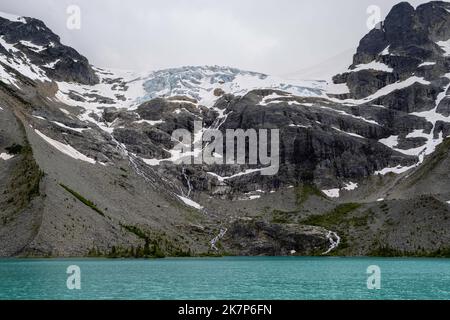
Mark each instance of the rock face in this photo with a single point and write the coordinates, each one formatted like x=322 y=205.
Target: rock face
x=319 y=141
x=406 y=41
x=358 y=170
x=254 y=238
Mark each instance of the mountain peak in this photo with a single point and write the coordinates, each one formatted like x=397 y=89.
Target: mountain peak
x=11 y=17
x=28 y=41
x=408 y=32
x=404 y=7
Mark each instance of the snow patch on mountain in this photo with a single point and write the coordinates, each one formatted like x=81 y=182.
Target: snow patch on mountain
x=386 y=51
x=51 y=65
x=432 y=142
x=351 y=115
x=7 y=78
x=21 y=63
x=6 y=156
x=396 y=170
x=125 y=89
x=149 y=122
x=332 y=193
x=336 y=192
x=32 y=46
x=351 y=186
x=390 y=142
x=445 y=45
x=374 y=65
x=273 y=98
x=349 y=133
x=66 y=149
x=426 y=64
x=190 y=203
x=12 y=17
x=240 y=174
x=387 y=90
x=62 y=125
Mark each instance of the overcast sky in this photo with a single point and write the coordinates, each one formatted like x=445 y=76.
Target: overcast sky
x=271 y=36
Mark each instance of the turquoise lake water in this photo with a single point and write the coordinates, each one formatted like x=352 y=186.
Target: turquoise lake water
x=295 y=278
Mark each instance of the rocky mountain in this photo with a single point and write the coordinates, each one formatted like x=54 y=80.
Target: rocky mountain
x=88 y=165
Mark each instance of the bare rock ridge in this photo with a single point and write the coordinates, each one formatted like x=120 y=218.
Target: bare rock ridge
x=88 y=165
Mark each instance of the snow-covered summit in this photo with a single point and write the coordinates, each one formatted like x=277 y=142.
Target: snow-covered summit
x=200 y=82
x=12 y=17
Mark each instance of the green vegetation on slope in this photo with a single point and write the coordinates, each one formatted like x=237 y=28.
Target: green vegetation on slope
x=333 y=218
x=151 y=247
x=82 y=199
x=386 y=251
x=304 y=192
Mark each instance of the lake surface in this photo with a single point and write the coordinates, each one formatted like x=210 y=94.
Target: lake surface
x=293 y=278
